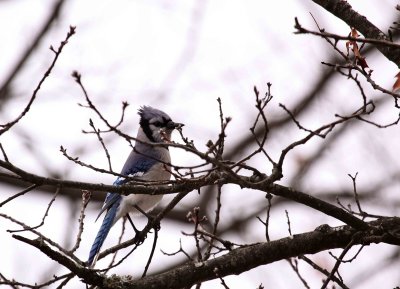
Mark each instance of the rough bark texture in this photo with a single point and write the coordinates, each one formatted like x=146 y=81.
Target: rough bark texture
x=239 y=260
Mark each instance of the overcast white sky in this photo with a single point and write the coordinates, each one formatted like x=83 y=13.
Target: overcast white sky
x=178 y=56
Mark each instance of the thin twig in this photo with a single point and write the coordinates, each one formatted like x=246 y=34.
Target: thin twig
x=7 y=126
x=123 y=227
x=323 y=271
x=216 y=222
x=85 y=201
x=42 y=238
x=4 y=153
x=338 y=262
x=336 y=37
x=295 y=268
x=23 y=192
x=288 y=222
x=44 y=216
x=153 y=248
x=147 y=228
x=97 y=132
x=180 y=250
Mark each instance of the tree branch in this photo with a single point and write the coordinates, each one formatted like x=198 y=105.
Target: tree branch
x=238 y=260
x=344 y=11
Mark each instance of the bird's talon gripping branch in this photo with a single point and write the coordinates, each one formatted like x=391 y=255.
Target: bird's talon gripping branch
x=140 y=237
x=156 y=225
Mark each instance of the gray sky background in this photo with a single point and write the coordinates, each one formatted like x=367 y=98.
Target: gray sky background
x=179 y=56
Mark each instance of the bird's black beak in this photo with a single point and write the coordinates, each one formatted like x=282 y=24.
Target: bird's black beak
x=174 y=125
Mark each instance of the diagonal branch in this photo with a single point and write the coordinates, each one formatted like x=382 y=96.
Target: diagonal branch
x=57 y=53
x=189 y=185
x=238 y=260
x=344 y=11
x=55 y=12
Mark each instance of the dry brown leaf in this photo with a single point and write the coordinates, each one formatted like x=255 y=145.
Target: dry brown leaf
x=354 y=32
x=396 y=85
x=360 y=60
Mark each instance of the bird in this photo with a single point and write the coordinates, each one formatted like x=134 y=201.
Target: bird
x=146 y=162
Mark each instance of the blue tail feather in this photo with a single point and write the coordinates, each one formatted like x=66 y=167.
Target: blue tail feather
x=102 y=233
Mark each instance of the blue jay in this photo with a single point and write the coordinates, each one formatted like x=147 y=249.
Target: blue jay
x=145 y=162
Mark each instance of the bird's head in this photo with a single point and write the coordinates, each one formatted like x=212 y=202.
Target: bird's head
x=156 y=124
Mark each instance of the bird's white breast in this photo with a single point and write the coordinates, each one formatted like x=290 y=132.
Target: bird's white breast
x=159 y=172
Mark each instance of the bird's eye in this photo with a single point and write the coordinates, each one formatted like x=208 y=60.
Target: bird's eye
x=157 y=123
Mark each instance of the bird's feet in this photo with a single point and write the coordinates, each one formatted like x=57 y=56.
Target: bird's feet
x=153 y=222
x=140 y=237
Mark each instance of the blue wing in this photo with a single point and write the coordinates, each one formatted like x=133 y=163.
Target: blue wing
x=135 y=165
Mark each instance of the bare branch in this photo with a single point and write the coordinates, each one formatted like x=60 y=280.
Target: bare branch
x=55 y=12
x=85 y=201
x=7 y=126
x=23 y=192
x=323 y=271
x=302 y=30
x=338 y=262
x=344 y=11
x=44 y=216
